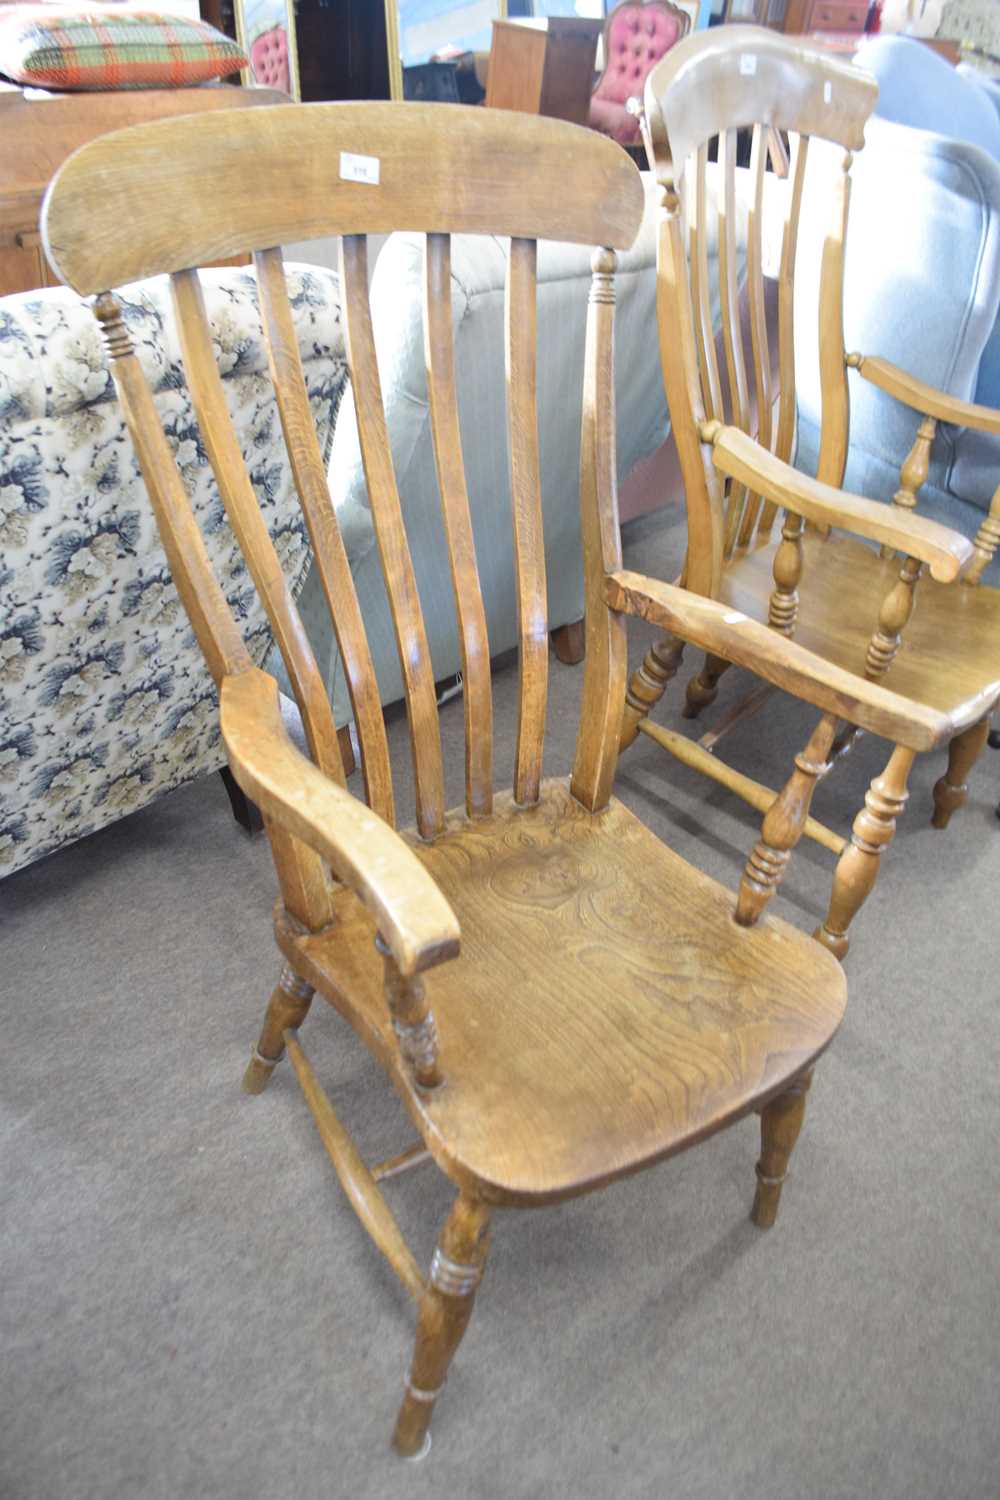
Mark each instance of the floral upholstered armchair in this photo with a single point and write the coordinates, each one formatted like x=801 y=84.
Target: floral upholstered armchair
x=637 y=34
x=105 y=701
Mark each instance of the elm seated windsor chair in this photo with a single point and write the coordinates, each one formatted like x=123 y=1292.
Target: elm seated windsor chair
x=558 y=998
x=856 y=599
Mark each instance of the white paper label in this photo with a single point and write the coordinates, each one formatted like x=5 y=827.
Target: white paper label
x=827 y=91
x=733 y=618
x=748 y=63
x=359 y=168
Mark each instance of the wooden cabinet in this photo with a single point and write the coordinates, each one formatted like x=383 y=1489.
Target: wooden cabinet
x=40 y=130
x=544 y=70
x=847 y=16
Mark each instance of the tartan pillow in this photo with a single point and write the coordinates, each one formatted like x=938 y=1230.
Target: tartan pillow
x=105 y=49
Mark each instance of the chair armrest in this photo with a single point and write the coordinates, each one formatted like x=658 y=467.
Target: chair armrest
x=926 y=399
x=412 y=915
x=728 y=633
x=742 y=458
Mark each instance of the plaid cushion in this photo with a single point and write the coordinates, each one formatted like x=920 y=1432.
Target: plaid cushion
x=97 y=49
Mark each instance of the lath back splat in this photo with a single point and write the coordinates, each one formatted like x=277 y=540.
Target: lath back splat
x=736 y=481
x=566 y=1041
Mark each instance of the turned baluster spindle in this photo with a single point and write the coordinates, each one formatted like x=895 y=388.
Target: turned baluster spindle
x=412 y=1021
x=647 y=685
x=914 y=470
x=986 y=542
x=783 y=825
x=897 y=607
x=858 y=866
x=783 y=606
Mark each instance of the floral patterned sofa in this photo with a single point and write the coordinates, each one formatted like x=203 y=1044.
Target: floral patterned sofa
x=105 y=702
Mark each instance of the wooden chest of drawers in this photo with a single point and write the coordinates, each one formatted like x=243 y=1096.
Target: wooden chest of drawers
x=846 y=16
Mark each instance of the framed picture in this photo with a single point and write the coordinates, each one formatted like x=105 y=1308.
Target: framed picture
x=265 y=29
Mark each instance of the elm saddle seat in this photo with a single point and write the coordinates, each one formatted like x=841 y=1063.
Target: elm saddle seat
x=604 y=1000
x=835 y=621
x=558 y=998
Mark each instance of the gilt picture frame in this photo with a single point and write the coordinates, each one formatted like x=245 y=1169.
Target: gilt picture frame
x=265 y=29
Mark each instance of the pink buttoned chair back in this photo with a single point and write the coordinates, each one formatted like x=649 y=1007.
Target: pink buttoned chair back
x=269 y=59
x=635 y=38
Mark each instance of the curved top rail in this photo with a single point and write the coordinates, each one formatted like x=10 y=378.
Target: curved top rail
x=199 y=188
x=734 y=76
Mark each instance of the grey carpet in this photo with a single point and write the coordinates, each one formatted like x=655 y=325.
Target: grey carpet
x=189 y=1308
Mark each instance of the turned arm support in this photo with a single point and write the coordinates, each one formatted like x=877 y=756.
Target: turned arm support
x=728 y=633
x=945 y=551
x=415 y=921
x=924 y=398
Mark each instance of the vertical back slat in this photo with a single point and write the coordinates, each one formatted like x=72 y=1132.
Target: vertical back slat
x=758 y=322
x=390 y=533
x=786 y=315
x=439 y=352
x=729 y=306
x=834 y=390
x=329 y=553
x=526 y=504
x=242 y=508
x=701 y=290
x=606 y=660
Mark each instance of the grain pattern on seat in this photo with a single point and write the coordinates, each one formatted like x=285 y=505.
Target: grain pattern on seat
x=839 y=612
x=618 y=1012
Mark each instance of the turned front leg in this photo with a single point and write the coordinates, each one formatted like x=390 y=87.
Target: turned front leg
x=783 y=824
x=287 y=1008
x=780 y=1123
x=858 y=866
x=445 y=1310
x=952 y=791
x=647 y=685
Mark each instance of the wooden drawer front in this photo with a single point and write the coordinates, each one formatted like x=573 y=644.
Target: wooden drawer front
x=838 y=15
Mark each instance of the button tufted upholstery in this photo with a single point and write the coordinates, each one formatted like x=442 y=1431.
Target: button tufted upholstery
x=269 y=59
x=635 y=38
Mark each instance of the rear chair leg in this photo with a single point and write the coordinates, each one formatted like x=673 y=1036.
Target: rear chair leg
x=445 y=1310
x=288 y=1007
x=953 y=788
x=703 y=689
x=780 y=1123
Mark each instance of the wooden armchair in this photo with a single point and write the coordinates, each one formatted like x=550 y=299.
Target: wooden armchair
x=856 y=599
x=558 y=999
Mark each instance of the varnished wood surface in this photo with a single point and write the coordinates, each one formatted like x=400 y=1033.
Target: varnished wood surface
x=705 y=85
x=461 y=170
x=949 y=659
x=945 y=551
x=925 y=398
x=606 y=1003
x=729 y=629
x=390 y=535
x=329 y=553
x=413 y=917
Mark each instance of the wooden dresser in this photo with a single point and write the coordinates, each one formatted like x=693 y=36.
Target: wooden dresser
x=40 y=130
x=831 y=16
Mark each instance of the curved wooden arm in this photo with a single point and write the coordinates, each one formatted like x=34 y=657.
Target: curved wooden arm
x=414 y=919
x=728 y=633
x=945 y=551
x=922 y=397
